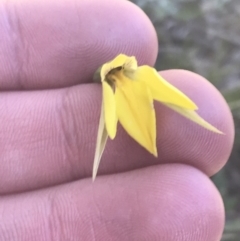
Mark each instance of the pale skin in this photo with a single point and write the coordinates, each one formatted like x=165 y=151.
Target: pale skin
x=49 y=112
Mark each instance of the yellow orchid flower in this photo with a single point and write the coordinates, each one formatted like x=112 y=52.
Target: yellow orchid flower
x=128 y=95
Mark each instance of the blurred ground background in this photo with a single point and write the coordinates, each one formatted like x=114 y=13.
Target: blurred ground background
x=204 y=36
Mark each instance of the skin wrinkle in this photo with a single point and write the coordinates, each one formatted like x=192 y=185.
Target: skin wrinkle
x=68 y=138
x=67 y=122
x=3 y=226
x=54 y=221
x=121 y=220
x=98 y=214
x=92 y=230
x=6 y=37
x=19 y=46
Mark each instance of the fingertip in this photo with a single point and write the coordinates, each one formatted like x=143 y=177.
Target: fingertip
x=193 y=144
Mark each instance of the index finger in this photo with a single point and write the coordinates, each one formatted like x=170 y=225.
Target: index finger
x=58 y=43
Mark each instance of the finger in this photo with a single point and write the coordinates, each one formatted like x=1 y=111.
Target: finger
x=177 y=203
x=57 y=43
x=49 y=137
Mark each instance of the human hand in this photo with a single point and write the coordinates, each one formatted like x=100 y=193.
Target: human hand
x=50 y=109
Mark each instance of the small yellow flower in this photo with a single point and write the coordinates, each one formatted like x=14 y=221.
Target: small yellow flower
x=128 y=95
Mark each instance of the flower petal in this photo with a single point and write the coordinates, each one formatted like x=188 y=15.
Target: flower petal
x=136 y=112
x=121 y=60
x=101 y=142
x=162 y=90
x=193 y=116
x=110 y=114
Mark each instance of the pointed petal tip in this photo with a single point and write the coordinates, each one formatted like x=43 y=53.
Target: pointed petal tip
x=112 y=135
x=211 y=128
x=196 y=107
x=93 y=179
x=195 y=117
x=218 y=132
x=154 y=152
x=94 y=174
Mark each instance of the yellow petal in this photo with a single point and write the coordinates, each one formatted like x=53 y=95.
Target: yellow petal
x=136 y=112
x=193 y=116
x=161 y=90
x=110 y=114
x=120 y=61
x=101 y=142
